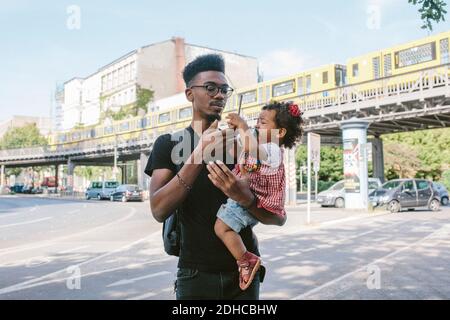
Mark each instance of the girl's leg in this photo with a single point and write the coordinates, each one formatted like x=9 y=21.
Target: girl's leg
x=230 y=238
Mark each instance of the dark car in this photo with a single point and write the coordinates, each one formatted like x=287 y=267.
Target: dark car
x=17 y=188
x=406 y=193
x=127 y=192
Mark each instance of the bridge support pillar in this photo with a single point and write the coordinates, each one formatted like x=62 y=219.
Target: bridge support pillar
x=70 y=171
x=378 y=158
x=142 y=178
x=290 y=175
x=2 y=178
x=354 y=139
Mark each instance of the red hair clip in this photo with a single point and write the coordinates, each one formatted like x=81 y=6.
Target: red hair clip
x=294 y=110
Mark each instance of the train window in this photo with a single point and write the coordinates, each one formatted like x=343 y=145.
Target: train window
x=267 y=93
x=355 y=70
x=300 y=85
x=376 y=67
x=185 y=113
x=260 y=93
x=308 y=83
x=416 y=55
x=109 y=129
x=443 y=45
x=324 y=77
x=387 y=65
x=124 y=126
x=339 y=75
x=249 y=97
x=283 y=88
x=164 y=117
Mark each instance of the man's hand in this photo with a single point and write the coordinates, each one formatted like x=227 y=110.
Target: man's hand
x=236 y=122
x=233 y=187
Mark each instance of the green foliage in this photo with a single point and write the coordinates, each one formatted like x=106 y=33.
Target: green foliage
x=445 y=179
x=430 y=10
x=144 y=96
x=427 y=151
x=23 y=137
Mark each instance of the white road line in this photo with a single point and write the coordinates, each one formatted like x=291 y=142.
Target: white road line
x=47 y=243
x=12 y=214
x=72 y=250
x=74 y=211
x=276 y=259
x=33 y=209
x=133 y=280
x=143 y=296
x=25 y=222
x=35 y=282
x=379 y=260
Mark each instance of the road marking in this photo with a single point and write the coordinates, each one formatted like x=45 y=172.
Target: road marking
x=74 y=211
x=47 y=243
x=379 y=260
x=276 y=259
x=132 y=280
x=143 y=296
x=72 y=250
x=33 y=209
x=35 y=282
x=25 y=222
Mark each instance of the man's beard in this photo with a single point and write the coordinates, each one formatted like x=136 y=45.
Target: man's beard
x=213 y=117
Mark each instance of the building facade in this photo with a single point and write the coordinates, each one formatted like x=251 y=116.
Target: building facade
x=44 y=124
x=157 y=67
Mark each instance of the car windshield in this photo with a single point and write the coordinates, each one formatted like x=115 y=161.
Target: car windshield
x=111 y=184
x=391 y=185
x=132 y=188
x=337 y=186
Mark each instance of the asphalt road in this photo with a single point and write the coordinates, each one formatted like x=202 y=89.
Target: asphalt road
x=61 y=249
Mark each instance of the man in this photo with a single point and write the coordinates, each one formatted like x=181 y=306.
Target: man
x=206 y=268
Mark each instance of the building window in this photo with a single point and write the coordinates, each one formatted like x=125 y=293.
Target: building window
x=376 y=67
x=109 y=81
x=283 y=88
x=416 y=55
x=355 y=70
x=127 y=72
x=133 y=70
x=120 y=76
x=387 y=65
x=164 y=117
x=324 y=77
x=185 y=113
x=249 y=97
x=443 y=45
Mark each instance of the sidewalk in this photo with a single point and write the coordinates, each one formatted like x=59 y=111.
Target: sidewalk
x=320 y=217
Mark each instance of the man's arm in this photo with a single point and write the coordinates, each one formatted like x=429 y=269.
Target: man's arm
x=239 y=191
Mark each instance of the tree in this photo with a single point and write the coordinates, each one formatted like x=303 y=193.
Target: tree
x=23 y=137
x=401 y=160
x=430 y=10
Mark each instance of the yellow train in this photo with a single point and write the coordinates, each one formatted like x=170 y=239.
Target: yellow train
x=308 y=88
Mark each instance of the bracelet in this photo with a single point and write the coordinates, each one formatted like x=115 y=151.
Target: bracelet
x=188 y=187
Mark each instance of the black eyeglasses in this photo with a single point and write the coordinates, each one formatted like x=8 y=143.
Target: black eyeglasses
x=213 y=89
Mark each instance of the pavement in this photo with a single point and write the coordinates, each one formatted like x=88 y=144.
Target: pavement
x=78 y=249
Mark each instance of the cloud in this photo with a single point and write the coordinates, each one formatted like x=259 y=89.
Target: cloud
x=284 y=62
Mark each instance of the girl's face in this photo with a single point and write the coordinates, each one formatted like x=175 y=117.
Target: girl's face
x=267 y=127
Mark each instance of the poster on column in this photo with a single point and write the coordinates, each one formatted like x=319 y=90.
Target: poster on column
x=351 y=166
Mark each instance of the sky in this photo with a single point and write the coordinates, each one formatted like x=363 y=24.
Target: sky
x=43 y=44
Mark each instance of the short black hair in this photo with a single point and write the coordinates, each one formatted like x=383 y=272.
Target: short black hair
x=284 y=119
x=207 y=62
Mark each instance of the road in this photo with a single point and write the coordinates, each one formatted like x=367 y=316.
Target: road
x=65 y=249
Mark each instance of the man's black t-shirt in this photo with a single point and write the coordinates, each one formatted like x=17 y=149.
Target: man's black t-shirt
x=200 y=247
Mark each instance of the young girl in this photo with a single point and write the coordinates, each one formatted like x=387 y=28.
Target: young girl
x=279 y=124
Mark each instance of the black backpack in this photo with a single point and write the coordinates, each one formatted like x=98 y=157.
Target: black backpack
x=171 y=232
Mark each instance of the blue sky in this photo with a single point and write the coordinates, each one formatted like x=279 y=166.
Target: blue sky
x=38 y=50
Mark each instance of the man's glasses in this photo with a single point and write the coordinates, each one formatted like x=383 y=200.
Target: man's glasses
x=213 y=89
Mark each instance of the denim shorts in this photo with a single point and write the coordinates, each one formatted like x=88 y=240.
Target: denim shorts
x=235 y=216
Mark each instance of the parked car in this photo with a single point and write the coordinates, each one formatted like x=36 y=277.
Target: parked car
x=127 y=192
x=442 y=191
x=406 y=193
x=335 y=195
x=101 y=189
x=17 y=188
x=28 y=189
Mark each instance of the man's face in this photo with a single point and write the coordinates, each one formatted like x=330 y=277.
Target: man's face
x=204 y=105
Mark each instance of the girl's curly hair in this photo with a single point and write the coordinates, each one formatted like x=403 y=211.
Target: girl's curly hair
x=288 y=116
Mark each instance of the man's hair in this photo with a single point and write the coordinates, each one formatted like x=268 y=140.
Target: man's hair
x=284 y=119
x=207 y=62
